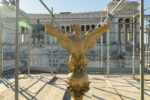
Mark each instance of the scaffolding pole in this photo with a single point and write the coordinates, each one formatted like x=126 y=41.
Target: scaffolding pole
x=101 y=52
x=99 y=55
x=17 y=51
x=108 y=53
x=133 y=48
x=111 y=13
x=1 y=49
x=46 y=7
x=134 y=16
x=149 y=45
x=108 y=33
x=51 y=44
x=1 y=61
x=58 y=51
x=142 y=49
x=108 y=44
x=96 y=55
x=29 y=45
x=146 y=49
x=51 y=54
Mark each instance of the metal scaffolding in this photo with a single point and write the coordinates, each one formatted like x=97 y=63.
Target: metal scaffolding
x=102 y=53
x=148 y=58
x=108 y=53
x=142 y=49
x=147 y=49
x=17 y=52
x=1 y=49
x=29 y=47
x=51 y=42
x=141 y=39
x=133 y=48
x=98 y=48
x=107 y=19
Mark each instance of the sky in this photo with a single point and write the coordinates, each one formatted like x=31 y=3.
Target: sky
x=75 y=6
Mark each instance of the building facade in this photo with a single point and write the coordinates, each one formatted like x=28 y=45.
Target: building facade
x=121 y=31
x=8 y=33
x=120 y=39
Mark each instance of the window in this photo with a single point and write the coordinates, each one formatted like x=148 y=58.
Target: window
x=82 y=28
x=67 y=28
x=22 y=30
x=93 y=26
x=87 y=27
x=62 y=27
x=42 y=29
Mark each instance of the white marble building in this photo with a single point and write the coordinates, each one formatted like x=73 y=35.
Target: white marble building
x=7 y=34
x=121 y=33
x=89 y=20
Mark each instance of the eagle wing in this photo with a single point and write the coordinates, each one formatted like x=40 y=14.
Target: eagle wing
x=61 y=36
x=92 y=36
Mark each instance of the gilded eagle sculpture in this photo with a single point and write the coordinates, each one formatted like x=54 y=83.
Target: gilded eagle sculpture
x=77 y=46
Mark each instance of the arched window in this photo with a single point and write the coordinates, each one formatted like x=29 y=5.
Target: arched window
x=67 y=28
x=82 y=28
x=120 y=22
x=127 y=21
x=22 y=30
x=42 y=29
x=62 y=27
x=93 y=26
x=87 y=27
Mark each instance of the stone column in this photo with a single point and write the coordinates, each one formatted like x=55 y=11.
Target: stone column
x=45 y=37
x=131 y=36
x=1 y=48
x=84 y=28
x=90 y=27
x=24 y=36
x=65 y=28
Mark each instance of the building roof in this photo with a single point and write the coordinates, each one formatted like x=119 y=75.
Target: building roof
x=125 y=4
x=69 y=15
x=9 y=11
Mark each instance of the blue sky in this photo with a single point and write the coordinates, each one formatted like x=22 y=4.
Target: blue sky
x=34 y=6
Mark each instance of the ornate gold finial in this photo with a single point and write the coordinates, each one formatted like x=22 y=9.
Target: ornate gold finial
x=77 y=47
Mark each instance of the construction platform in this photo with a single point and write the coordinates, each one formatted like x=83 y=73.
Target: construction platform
x=47 y=87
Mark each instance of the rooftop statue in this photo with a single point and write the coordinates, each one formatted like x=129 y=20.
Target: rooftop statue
x=77 y=46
